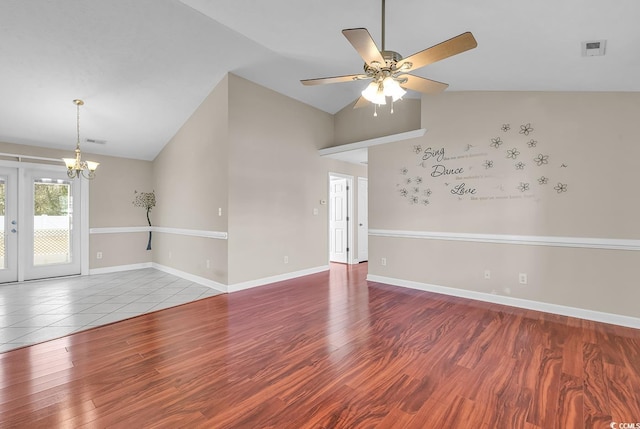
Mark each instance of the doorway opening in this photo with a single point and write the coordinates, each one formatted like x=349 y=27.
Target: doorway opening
x=348 y=221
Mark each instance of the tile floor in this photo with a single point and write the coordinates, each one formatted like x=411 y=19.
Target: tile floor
x=33 y=312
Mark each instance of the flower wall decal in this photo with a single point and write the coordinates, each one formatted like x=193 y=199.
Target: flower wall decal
x=513 y=153
x=526 y=129
x=462 y=169
x=560 y=187
x=541 y=159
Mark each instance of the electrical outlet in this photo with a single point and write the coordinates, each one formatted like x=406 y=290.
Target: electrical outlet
x=286 y=259
x=487 y=274
x=507 y=291
x=99 y=255
x=208 y=263
x=522 y=278
x=219 y=211
x=170 y=255
x=315 y=212
x=383 y=261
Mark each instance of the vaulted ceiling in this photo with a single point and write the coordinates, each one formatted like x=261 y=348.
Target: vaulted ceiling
x=142 y=67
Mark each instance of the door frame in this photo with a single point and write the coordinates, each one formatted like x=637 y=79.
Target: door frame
x=11 y=258
x=22 y=167
x=351 y=244
x=363 y=210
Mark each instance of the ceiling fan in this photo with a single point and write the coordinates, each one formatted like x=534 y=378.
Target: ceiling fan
x=389 y=71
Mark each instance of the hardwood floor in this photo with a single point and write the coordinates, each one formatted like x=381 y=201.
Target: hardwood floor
x=329 y=351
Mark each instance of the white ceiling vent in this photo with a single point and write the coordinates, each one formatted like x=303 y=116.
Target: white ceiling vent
x=593 y=48
x=95 y=141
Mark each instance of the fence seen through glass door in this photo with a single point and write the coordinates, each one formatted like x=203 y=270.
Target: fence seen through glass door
x=52 y=222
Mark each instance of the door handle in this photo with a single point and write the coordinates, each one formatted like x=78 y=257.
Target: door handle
x=360 y=224
x=13 y=222
x=14 y=230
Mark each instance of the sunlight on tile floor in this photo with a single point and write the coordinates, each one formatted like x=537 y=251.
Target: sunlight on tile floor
x=33 y=312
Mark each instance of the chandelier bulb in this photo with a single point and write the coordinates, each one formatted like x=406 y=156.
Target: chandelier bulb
x=375 y=110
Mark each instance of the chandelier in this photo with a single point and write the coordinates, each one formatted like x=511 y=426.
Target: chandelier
x=76 y=167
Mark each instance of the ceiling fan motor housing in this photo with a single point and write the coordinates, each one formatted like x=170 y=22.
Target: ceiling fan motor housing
x=391 y=58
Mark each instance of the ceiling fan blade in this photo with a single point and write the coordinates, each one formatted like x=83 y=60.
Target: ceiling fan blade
x=364 y=44
x=334 y=79
x=446 y=49
x=421 y=84
x=362 y=102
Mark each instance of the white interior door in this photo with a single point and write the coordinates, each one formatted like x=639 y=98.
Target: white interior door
x=363 y=219
x=9 y=225
x=338 y=225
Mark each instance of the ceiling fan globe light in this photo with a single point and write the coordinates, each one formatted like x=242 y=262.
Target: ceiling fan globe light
x=374 y=93
x=370 y=91
x=393 y=89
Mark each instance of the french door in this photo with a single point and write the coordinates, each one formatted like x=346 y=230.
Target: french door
x=40 y=236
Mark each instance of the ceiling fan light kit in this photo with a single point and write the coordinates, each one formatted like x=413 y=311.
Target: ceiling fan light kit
x=388 y=71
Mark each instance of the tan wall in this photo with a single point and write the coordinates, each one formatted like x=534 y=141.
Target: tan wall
x=110 y=203
x=190 y=177
x=354 y=125
x=190 y=255
x=119 y=249
x=589 y=139
x=276 y=179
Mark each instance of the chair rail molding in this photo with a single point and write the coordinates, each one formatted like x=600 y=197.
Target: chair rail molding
x=529 y=240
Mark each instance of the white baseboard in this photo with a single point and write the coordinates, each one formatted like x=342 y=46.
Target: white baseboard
x=280 y=277
x=210 y=283
x=191 y=277
x=597 y=316
x=119 y=268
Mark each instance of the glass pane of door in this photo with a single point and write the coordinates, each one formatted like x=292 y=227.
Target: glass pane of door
x=52 y=221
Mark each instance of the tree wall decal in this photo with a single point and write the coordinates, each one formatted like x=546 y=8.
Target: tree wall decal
x=146 y=200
